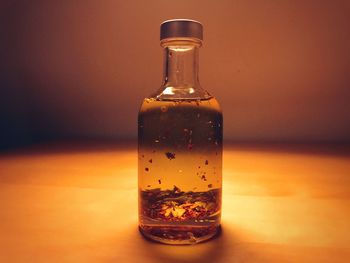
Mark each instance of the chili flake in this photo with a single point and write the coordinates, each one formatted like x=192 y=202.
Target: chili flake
x=170 y=155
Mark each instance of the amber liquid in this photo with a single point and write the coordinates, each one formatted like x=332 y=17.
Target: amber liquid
x=180 y=170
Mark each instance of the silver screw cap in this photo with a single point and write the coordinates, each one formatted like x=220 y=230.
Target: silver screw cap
x=181 y=28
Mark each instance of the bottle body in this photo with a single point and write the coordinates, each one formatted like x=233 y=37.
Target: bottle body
x=180 y=169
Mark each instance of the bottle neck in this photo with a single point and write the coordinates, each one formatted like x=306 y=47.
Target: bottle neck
x=180 y=78
x=181 y=65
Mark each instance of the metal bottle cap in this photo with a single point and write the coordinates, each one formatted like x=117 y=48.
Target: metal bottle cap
x=181 y=28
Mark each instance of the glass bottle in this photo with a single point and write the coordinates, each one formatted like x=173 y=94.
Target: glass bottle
x=180 y=146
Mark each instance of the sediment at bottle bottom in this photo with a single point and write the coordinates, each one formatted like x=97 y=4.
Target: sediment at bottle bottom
x=178 y=217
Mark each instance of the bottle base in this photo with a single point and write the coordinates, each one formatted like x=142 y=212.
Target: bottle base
x=180 y=235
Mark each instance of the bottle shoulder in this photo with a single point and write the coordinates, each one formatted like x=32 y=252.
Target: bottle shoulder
x=153 y=104
x=183 y=92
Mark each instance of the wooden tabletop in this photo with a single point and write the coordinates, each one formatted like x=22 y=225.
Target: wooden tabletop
x=78 y=203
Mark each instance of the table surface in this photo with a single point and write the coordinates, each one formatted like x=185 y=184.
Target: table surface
x=66 y=202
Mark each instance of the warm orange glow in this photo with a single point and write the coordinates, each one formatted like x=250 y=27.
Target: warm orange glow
x=81 y=205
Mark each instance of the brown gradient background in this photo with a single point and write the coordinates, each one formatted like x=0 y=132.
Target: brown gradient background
x=80 y=69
